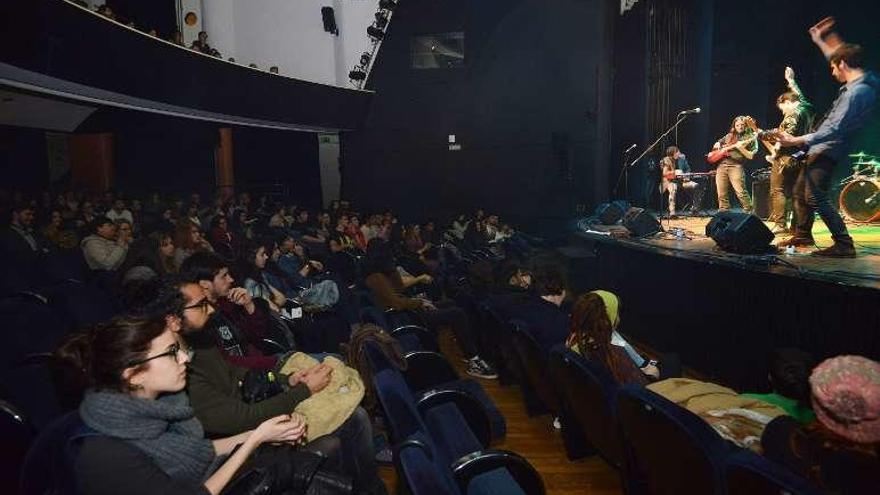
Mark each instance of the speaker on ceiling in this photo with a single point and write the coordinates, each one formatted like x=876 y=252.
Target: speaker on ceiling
x=329 y=19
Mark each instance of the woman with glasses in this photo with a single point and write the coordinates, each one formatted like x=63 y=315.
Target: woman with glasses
x=148 y=439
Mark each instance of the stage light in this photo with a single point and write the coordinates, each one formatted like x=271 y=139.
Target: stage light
x=388 y=4
x=381 y=20
x=375 y=33
x=365 y=59
x=357 y=74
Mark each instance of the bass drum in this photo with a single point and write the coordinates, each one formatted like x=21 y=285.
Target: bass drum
x=860 y=200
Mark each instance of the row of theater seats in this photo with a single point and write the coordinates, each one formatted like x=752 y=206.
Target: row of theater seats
x=657 y=446
x=441 y=426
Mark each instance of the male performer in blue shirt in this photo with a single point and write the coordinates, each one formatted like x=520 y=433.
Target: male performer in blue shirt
x=828 y=146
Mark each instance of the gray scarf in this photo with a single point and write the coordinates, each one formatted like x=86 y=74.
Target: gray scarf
x=165 y=429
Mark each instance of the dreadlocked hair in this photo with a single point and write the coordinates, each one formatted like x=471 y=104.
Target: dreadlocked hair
x=356 y=351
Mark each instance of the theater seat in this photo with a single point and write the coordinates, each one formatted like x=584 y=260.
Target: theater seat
x=668 y=449
x=588 y=410
x=747 y=473
x=539 y=395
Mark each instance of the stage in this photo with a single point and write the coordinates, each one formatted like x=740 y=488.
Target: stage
x=863 y=270
x=723 y=313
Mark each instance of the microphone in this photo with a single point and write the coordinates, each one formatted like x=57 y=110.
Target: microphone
x=688 y=112
x=631 y=148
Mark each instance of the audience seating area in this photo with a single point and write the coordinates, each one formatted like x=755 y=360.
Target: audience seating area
x=441 y=427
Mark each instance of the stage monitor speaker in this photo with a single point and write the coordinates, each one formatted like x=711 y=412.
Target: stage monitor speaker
x=761 y=198
x=640 y=222
x=611 y=213
x=329 y=18
x=740 y=233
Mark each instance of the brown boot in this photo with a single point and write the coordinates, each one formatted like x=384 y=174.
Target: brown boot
x=837 y=250
x=797 y=242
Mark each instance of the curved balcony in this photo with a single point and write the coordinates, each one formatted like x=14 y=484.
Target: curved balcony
x=57 y=48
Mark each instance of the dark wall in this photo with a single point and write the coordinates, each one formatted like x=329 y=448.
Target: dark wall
x=279 y=162
x=155 y=14
x=23 y=159
x=528 y=110
x=176 y=155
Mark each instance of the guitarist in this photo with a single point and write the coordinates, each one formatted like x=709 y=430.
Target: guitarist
x=797 y=118
x=828 y=144
x=742 y=144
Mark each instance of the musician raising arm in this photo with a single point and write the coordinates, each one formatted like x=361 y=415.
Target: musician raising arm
x=730 y=170
x=797 y=118
x=828 y=146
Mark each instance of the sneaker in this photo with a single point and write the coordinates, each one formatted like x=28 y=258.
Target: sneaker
x=837 y=250
x=780 y=230
x=481 y=369
x=797 y=241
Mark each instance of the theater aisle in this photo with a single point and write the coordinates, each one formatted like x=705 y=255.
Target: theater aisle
x=536 y=440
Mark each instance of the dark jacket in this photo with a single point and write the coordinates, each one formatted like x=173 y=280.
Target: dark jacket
x=545 y=321
x=213 y=385
x=109 y=466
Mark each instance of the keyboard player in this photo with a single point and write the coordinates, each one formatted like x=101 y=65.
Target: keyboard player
x=672 y=167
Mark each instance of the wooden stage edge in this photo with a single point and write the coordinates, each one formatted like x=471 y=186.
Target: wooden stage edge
x=862 y=271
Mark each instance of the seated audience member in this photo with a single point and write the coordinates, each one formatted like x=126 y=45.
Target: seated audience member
x=119 y=211
x=840 y=451
x=213 y=386
x=292 y=260
x=20 y=242
x=23 y=251
x=104 y=249
x=354 y=231
x=279 y=219
x=371 y=227
x=201 y=44
x=192 y=214
x=429 y=233
x=124 y=229
x=254 y=279
x=150 y=440
x=223 y=240
x=56 y=235
x=459 y=226
x=594 y=317
x=385 y=284
x=343 y=225
x=790 y=379
x=152 y=256
x=540 y=309
x=340 y=262
x=188 y=240
x=240 y=322
x=417 y=258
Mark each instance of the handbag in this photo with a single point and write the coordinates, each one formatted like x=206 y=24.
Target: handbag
x=284 y=470
x=259 y=385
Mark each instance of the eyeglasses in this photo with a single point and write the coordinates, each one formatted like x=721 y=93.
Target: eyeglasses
x=174 y=351
x=202 y=304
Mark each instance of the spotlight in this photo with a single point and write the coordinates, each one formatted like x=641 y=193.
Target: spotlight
x=375 y=33
x=365 y=59
x=387 y=4
x=357 y=74
x=381 y=20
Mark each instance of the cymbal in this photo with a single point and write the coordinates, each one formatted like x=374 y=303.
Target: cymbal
x=860 y=154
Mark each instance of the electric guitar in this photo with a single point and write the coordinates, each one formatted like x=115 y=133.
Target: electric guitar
x=716 y=156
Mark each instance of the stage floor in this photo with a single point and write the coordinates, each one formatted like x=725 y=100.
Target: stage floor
x=862 y=271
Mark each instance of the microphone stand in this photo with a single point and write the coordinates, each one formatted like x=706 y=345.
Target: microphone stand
x=624 y=174
x=679 y=119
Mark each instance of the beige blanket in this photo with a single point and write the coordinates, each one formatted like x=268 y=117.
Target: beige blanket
x=736 y=418
x=326 y=410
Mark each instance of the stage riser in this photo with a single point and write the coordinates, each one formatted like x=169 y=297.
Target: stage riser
x=722 y=320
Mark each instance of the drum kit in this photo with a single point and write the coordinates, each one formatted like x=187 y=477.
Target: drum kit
x=860 y=196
